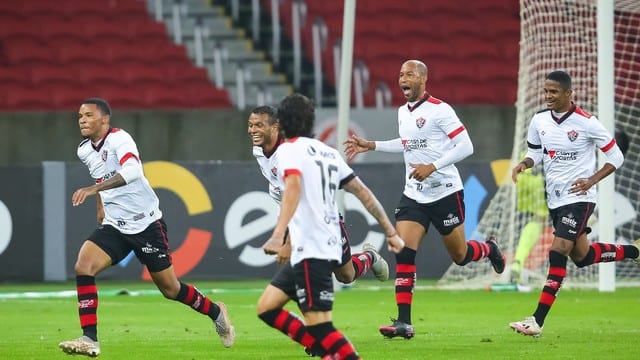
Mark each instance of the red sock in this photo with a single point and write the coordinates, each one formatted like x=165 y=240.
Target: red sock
x=290 y=325
x=361 y=263
x=88 y=305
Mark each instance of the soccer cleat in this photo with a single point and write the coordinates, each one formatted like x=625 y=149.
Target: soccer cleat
x=379 y=267
x=495 y=256
x=81 y=346
x=224 y=328
x=398 y=328
x=528 y=327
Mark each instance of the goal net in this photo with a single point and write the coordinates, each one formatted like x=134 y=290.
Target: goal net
x=561 y=35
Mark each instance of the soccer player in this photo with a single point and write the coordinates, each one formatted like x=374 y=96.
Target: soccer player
x=129 y=219
x=433 y=139
x=313 y=173
x=564 y=138
x=264 y=131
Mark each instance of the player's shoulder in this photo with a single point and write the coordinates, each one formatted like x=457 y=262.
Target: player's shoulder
x=539 y=112
x=85 y=142
x=583 y=113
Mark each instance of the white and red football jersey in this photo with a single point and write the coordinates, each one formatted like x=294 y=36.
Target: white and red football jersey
x=568 y=147
x=269 y=168
x=129 y=208
x=426 y=131
x=314 y=228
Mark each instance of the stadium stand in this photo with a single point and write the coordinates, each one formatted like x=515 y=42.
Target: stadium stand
x=450 y=36
x=64 y=51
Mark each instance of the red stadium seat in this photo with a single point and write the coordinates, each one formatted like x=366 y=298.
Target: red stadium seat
x=14 y=76
x=48 y=75
x=20 y=98
x=166 y=98
x=143 y=75
x=20 y=52
x=99 y=75
x=206 y=96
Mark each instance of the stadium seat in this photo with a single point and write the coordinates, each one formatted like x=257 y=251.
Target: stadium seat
x=21 y=52
x=25 y=97
x=67 y=97
x=140 y=73
x=206 y=96
x=166 y=98
x=99 y=75
x=48 y=75
x=69 y=51
x=14 y=76
x=55 y=29
x=106 y=30
x=121 y=97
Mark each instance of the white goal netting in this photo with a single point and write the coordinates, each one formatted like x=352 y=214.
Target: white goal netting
x=562 y=35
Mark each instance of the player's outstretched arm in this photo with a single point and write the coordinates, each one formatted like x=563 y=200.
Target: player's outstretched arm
x=373 y=206
x=355 y=145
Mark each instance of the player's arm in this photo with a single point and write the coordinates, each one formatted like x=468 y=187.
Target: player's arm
x=290 y=199
x=533 y=155
x=355 y=145
x=462 y=148
x=373 y=206
x=131 y=171
x=607 y=144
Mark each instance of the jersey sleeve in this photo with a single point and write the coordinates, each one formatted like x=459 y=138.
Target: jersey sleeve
x=605 y=142
x=125 y=147
x=448 y=121
x=534 y=144
x=288 y=163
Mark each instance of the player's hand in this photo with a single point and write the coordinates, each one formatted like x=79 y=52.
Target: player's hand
x=355 y=145
x=394 y=243
x=517 y=170
x=421 y=171
x=273 y=245
x=580 y=186
x=80 y=195
x=284 y=253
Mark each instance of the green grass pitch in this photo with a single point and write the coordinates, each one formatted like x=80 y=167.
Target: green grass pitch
x=583 y=324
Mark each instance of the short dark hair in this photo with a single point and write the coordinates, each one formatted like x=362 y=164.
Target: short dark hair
x=269 y=110
x=561 y=77
x=101 y=104
x=296 y=114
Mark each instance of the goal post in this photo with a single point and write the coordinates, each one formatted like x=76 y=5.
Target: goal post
x=563 y=35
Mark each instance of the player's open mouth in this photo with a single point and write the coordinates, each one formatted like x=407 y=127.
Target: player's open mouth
x=406 y=90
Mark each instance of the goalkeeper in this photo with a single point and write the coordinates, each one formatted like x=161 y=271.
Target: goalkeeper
x=532 y=206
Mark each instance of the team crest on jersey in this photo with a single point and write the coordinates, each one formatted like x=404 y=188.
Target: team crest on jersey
x=104 y=155
x=420 y=122
x=311 y=150
x=572 y=135
x=274 y=172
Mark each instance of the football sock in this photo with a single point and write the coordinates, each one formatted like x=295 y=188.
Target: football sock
x=405 y=282
x=190 y=295
x=557 y=273
x=333 y=341
x=476 y=250
x=601 y=252
x=292 y=326
x=88 y=305
x=362 y=262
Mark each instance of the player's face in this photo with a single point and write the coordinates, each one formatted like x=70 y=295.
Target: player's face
x=557 y=98
x=261 y=132
x=411 y=82
x=92 y=122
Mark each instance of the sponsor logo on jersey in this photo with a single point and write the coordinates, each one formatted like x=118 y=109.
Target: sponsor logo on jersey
x=420 y=122
x=572 y=135
x=562 y=155
x=414 y=144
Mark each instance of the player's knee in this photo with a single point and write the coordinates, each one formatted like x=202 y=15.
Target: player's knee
x=345 y=277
